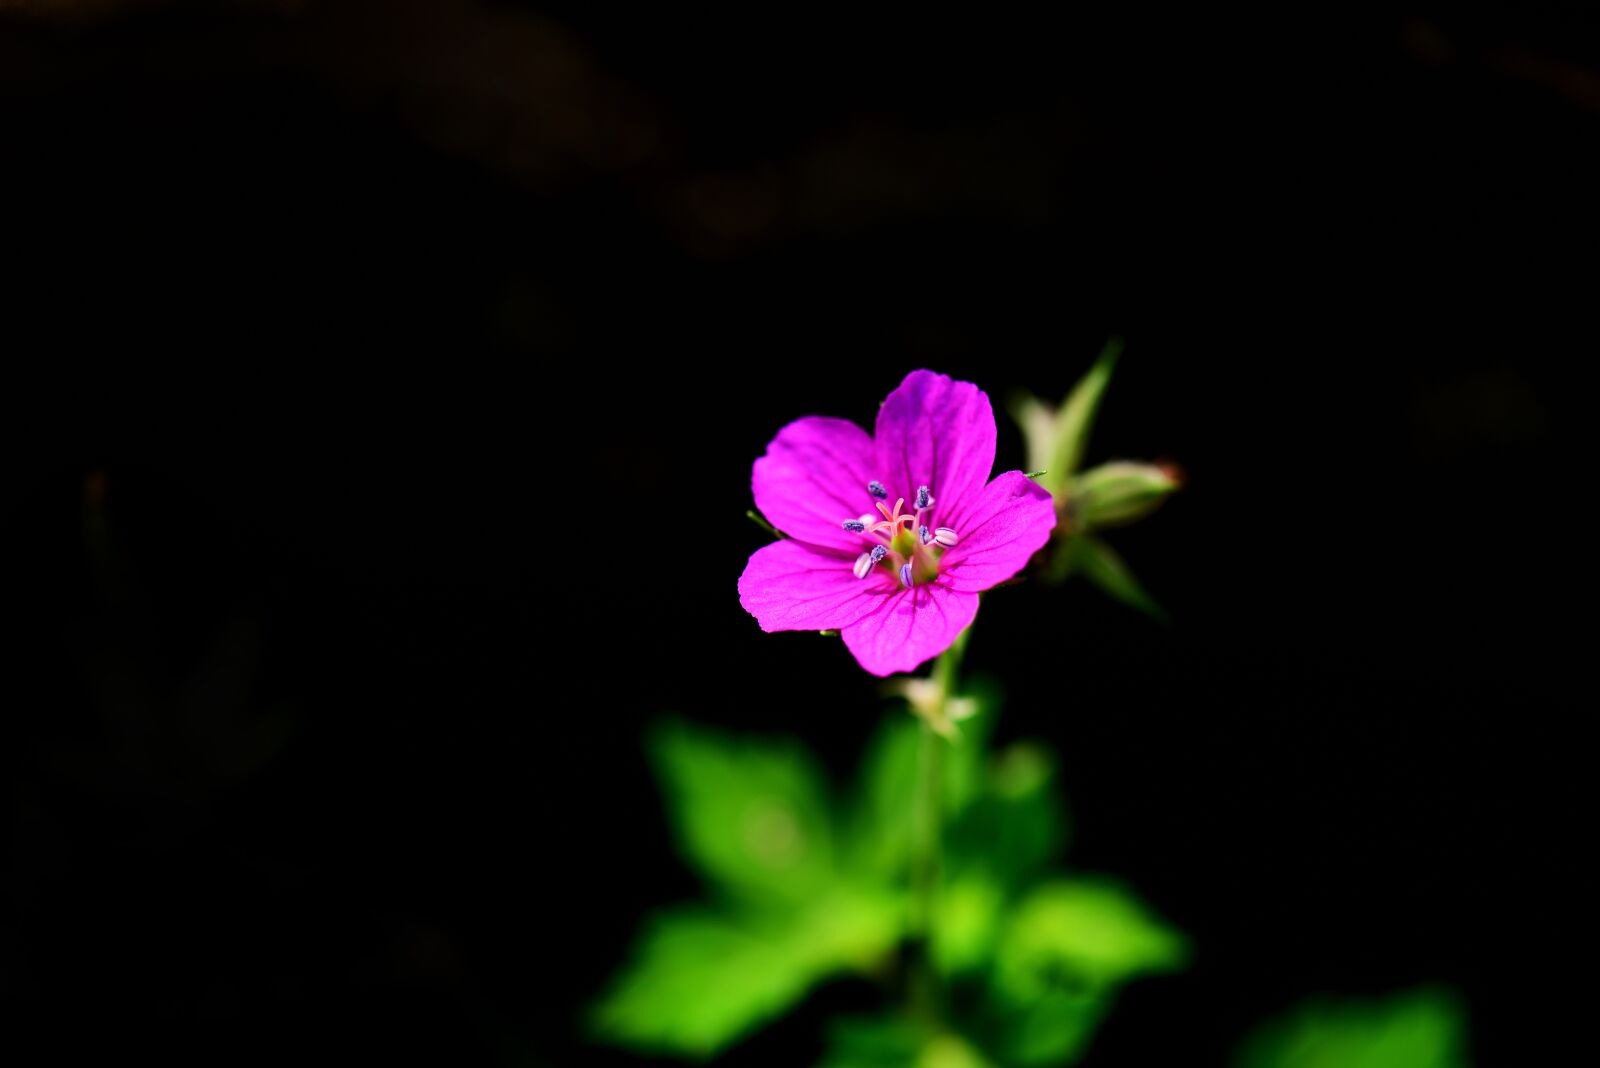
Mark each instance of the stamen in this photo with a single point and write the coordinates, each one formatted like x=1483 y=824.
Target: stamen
x=924 y=533
x=905 y=574
x=876 y=489
x=878 y=553
x=923 y=500
x=863 y=565
x=854 y=526
x=946 y=537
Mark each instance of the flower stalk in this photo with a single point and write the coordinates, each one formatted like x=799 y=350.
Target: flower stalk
x=933 y=707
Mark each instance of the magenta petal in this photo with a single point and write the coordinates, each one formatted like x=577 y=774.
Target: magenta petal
x=934 y=431
x=813 y=477
x=1000 y=531
x=790 y=586
x=908 y=628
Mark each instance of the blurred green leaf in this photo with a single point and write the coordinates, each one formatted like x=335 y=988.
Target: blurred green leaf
x=1099 y=563
x=1013 y=828
x=896 y=1042
x=851 y=928
x=697 y=981
x=881 y=823
x=754 y=818
x=700 y=979
x=967 y=917
x=1068 y=947
x=1117 y=493
x=967 y=756
x=1091 y=929
x=1003 y=822
x=880 y=819
x=1054 y=1028
x=1016 y=826
x=950 y=1051
x=1424 y=1028
x=872 y=1042
x=751 y=816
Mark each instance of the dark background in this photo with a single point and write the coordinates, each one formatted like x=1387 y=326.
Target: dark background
x=383 y=384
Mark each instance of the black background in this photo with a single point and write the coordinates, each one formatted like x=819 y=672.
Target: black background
x=385 y=381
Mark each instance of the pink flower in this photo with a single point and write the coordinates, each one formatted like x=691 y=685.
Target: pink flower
x=892 y=535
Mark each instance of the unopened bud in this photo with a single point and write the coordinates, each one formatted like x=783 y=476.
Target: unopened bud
x=1119 y=492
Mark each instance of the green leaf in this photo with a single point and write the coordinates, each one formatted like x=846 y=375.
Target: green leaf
x=1069 y=946
x=1076 y=418
x=896 y=1042
x=700 y=979
x=1015 y=826
x=1055 y=1028
x=1004 y=822
x=1089 y=928
x=1423 y=1028
x=1101 y=565
x=967 y=755
x=950 y=1051
x=881 y=820
x=872 y=1042
x=967 y=916
x=1001 y=840
x=697 y=981
x=751 y=816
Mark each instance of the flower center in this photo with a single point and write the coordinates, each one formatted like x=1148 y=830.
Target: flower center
x=906 y=543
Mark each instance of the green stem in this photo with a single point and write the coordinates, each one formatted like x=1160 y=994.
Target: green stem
x=926 y=997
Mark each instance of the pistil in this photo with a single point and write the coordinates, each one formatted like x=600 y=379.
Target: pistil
x=907 y=541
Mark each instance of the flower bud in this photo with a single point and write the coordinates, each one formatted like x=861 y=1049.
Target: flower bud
x=1118 y=492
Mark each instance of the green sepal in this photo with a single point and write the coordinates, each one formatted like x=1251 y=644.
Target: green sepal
x=1056 y=436
x=1076 y=418
x=1089 y=556
x=761 y=521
